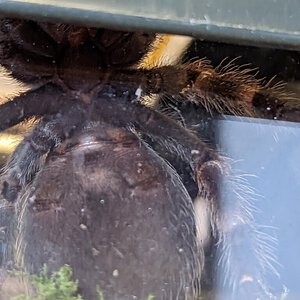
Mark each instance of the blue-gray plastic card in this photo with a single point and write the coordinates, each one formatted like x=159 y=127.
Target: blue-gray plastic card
x=267 y=152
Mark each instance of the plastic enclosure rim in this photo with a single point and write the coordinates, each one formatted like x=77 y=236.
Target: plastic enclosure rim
x=269 y=23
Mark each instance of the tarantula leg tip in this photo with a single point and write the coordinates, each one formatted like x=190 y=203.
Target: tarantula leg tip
x=10 y=192
x=209 y=176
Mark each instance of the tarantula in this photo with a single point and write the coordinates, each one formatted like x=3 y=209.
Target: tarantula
x=88 y=188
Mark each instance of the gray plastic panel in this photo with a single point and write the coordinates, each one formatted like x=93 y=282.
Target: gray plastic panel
x=273 y=23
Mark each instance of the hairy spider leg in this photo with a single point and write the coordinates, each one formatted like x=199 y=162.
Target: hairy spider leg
x=47 y=99
x=228 y=89
x=49 y=133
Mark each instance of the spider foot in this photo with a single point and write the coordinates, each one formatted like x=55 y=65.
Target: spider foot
x=209 y=175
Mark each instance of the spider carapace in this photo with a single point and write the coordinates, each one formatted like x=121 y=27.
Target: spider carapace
x=89 y=188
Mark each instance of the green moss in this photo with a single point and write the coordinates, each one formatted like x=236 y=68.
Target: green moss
x=100 y=294
x=57 y=286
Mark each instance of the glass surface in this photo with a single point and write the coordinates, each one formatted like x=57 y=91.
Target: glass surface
x=122 y=191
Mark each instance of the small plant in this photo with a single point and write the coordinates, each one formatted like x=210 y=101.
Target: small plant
x=100 y=294
x=58 y=286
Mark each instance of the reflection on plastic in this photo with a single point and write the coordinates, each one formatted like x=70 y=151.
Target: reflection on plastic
x=269 y=152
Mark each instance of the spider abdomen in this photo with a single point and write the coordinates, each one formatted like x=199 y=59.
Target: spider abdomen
x=97 y=221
